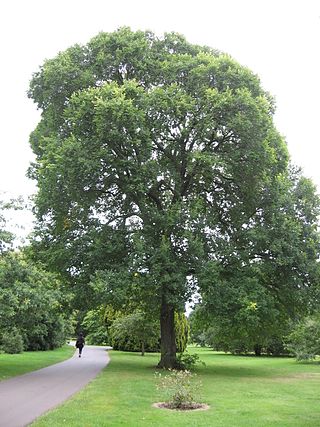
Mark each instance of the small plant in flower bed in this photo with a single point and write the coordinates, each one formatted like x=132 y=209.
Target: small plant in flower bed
x=180 y=388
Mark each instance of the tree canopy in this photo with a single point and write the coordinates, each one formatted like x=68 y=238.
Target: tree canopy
x=154 y=157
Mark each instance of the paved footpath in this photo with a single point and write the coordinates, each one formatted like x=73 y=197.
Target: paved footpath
x=26 y=397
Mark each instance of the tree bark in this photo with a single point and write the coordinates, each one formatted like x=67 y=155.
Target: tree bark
x=168 y=337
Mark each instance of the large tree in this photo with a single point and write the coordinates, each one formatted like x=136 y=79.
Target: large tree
x=151 y=154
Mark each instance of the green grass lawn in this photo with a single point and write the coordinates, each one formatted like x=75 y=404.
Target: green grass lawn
x=18 y=364
x=241 y=391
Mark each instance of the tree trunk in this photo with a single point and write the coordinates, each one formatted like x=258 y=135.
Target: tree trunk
x=168 y=337
x=142 y=348
x=257 y=350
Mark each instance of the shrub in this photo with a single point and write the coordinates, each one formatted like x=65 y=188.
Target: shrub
x=304 y=340
x=135 y=332
x=187 y=361
x=47 y=335
x=12 y=341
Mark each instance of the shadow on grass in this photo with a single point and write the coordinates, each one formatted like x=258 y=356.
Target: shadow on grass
x=217 y=365
x=131 y=361
x=234 y=371
x=135 y=363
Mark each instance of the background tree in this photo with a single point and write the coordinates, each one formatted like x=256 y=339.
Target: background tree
x=32 y=306
x=151 y=155
x=6 y=237
x=94 y=327
x=268 y=277
x=182 y=331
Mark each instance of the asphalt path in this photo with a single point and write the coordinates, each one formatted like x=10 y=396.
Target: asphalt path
x=26 y=397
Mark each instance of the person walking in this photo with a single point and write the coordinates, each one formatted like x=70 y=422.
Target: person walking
x=80 y=343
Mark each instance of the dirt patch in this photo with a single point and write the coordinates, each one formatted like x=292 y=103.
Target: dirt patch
x=187 y=407
x=302 y=376
x=312 y=375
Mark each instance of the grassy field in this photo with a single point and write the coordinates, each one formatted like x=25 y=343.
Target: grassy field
x=241 y=392
x=18 y=364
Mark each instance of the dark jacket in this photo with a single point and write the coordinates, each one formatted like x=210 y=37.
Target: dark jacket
x=80 y=342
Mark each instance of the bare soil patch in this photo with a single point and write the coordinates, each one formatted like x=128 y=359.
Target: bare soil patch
x=186 y=407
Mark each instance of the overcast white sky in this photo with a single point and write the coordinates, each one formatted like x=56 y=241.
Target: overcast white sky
x=276 y=39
